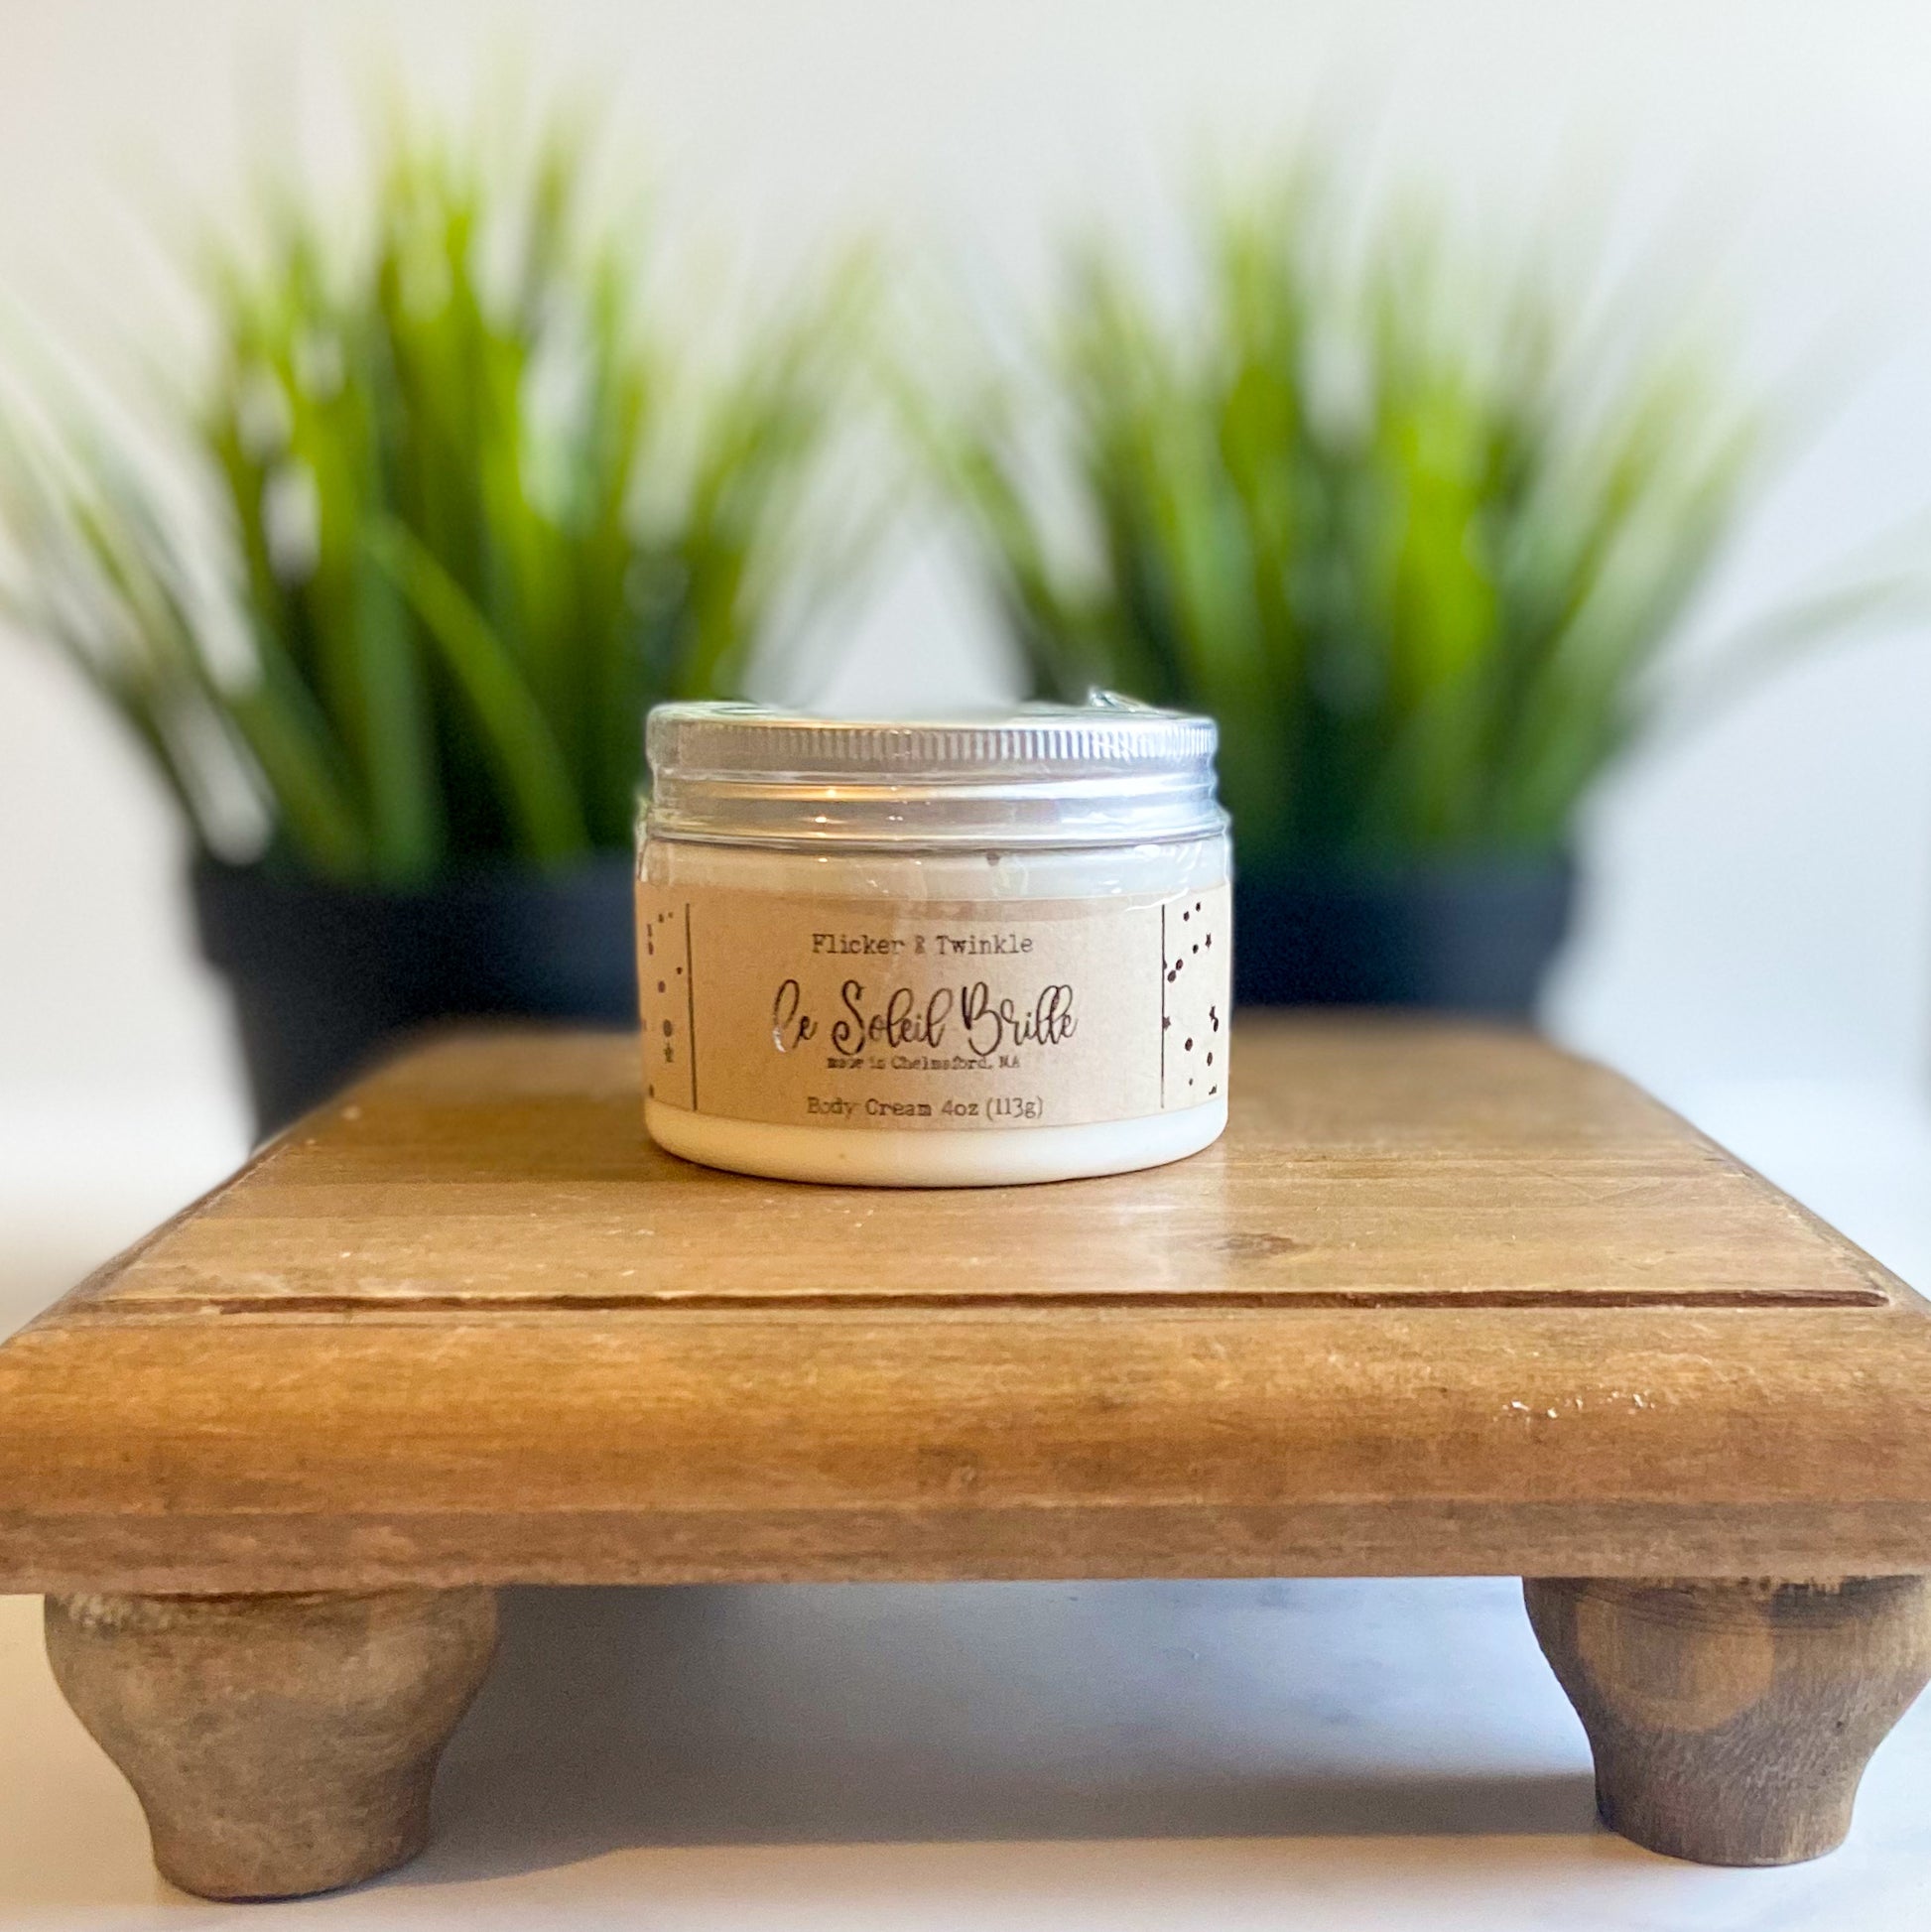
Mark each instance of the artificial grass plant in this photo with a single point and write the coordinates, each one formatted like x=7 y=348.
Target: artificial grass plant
x=1414 y=527
x=450 y=507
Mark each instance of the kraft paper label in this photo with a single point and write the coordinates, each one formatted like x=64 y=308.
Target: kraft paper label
x=949 y=1014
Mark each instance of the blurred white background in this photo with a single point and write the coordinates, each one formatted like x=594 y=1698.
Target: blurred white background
x=1758 y=936
x=1761 y=895
x=1757 y=941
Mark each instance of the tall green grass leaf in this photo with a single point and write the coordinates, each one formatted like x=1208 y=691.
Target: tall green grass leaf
x=548 y=824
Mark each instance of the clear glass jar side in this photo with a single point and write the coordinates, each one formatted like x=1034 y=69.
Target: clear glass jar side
x=1082 y=872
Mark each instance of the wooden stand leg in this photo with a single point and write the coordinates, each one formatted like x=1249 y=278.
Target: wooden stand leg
x=1732 y=1721
x=277 y=1745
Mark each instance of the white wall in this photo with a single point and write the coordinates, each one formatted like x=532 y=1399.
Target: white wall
x=1761 y=895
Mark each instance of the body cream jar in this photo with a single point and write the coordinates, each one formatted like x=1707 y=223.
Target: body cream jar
x=933 y=954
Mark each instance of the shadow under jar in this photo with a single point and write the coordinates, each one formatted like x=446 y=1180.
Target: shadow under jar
x=949 y=953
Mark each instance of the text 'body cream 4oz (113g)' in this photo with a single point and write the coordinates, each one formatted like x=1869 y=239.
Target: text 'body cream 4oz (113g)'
x=951 y=954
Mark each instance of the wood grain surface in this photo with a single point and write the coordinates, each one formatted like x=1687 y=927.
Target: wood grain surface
x=1445 y=1300
x=1731 y=1723
x=279 y=1746
x=1363 y=1164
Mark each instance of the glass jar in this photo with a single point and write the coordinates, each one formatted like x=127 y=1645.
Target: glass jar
x=933 y=954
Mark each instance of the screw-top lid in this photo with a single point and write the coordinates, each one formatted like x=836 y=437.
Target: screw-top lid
x=1111 y=772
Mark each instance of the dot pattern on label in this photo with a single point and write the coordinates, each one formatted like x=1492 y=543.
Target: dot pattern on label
x=1196 y=986
x=662 y=944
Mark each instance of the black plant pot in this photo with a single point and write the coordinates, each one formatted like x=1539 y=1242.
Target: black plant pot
x=1471 y=936
x=323 y=975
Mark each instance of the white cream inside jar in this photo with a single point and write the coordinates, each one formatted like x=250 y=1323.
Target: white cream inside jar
x=950 y=953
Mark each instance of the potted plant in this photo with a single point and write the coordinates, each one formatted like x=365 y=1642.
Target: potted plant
x=1415 y=533
x=450 y=509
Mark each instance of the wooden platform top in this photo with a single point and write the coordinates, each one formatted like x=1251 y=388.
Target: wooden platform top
x=1444 y=1299
x=1365 y=1166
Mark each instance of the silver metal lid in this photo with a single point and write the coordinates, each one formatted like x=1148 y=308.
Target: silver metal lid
x=1108 y=773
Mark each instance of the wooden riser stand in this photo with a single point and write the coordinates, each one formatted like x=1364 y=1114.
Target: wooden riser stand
x=1443 y=1302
